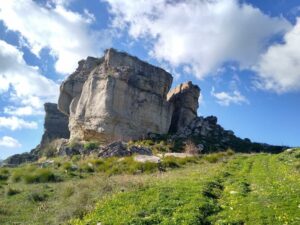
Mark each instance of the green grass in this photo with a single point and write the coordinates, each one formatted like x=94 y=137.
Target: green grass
x=32 y=195
x=220 y=188
x=249 y=189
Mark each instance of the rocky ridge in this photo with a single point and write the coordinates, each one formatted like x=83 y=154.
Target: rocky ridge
x=117 y=98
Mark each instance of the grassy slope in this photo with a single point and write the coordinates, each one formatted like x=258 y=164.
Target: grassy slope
x=253 y=189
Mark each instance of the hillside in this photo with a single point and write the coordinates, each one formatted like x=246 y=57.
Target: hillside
x=219 y=188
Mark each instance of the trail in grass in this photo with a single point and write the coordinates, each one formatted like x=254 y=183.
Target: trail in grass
x=260 y=190
x=170 y=201
x=249 y=189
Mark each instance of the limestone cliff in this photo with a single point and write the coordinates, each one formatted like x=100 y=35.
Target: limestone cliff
x=116 y=97
x=55 y=124
x=184 y=99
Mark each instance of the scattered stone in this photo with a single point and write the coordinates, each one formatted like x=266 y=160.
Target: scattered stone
x=147 y=158
x=140 y=150
x=120 y=149
x=176 y=154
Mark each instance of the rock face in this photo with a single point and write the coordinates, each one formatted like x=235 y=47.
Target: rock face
x=184 y=99
x=120 y=149
x=116 y=97
x=55 y=125
x=70 y=89
x=20 y=158
x=209 y=136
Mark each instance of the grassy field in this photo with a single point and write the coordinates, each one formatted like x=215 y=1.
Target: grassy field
x=248 y=189
x=214 y=189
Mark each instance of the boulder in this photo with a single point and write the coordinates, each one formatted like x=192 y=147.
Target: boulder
x=184 y=99
x=147 y=158
x=121 y=98
x=176 y=155
x=118 y=149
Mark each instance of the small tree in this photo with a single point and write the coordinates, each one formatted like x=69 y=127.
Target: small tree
x=190 y=147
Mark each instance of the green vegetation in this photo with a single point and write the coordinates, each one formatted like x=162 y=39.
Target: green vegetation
x=32 y=174
x=90 y=145
x=249 y=189
x=219 y=188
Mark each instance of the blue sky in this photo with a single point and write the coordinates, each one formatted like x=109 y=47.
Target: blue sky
x=244 y=55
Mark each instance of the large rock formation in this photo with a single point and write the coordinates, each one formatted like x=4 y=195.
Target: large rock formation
x=116 y=97
x=55 y=125
x=70 y=89
x=184 y=99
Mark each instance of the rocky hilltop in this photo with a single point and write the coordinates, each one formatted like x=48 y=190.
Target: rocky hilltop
x=116 y=97
x=119 y=97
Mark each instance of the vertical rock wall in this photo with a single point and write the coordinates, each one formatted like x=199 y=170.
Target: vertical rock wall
x=184 y=99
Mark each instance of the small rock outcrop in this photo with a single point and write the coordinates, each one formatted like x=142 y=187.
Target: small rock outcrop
x=116 y=97
x=209 y=136
x=184 y=99
x=55 y=125
x=18 y=159
x=121 y=149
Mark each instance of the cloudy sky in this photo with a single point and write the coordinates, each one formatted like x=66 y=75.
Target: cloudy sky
x=245 y=56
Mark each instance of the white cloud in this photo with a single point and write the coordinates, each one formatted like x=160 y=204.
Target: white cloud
x=15 y=123
x=27 y=87
x=279 y=67
x=22 y=111
x=226 y=98
x=64 y=32
x=201 y=34
x=9 y=142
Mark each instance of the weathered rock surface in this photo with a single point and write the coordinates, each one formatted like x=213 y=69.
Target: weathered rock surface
x=176 y=155
x=120 y=149
x=70 y=89
x=55 y=125
x=19 y=159
x=209 y=136
x=121 y=98
x=147 y=158
x=184 y=99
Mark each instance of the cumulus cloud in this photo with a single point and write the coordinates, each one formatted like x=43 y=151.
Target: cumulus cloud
x=15 y=123
x=22 y=111
x=64 y=32
x=9 y=142
x=226 y=98
x=27 y=87
x=279 y=67
x=199 y=34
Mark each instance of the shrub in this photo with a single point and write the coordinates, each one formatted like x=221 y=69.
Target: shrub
x=90 y=145
x=230 y=152
x=11 y=191
x=68 y=191
x=214 y=157
x=190 y=148
x=170 y=162
x=39 y=175
x=37 y=196
x=4 y=174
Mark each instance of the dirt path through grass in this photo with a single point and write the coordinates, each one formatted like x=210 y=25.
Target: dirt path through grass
x=260 y=190
x=249 y=189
